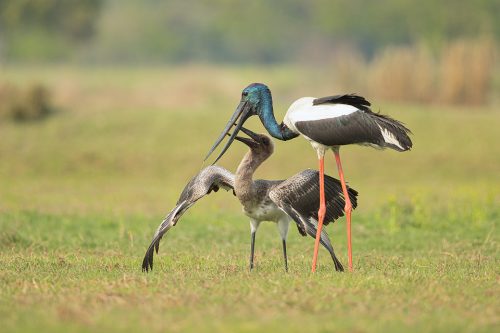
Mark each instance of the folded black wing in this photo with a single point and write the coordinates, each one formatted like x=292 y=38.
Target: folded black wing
x=298 y=197
x=301 y=191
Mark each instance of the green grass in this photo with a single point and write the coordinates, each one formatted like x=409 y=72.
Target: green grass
x=82 y=193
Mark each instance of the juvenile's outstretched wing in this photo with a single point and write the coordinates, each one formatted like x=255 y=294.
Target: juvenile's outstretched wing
x=298 y=197
x=209 y=179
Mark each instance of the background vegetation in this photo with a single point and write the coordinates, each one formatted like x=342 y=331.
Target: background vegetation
x=234 y=31
x=119 y=102
x=418 y=52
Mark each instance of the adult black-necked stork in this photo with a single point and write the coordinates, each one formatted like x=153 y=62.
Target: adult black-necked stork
x=327 y=123
x=279 y=201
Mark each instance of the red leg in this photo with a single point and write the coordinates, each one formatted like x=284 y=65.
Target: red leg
x=347 y=208
x=321 y=211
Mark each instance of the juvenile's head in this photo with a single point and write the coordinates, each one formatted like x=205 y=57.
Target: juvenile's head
x=259 y=144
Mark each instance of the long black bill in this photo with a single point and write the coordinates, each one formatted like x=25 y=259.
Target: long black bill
x=243 y=112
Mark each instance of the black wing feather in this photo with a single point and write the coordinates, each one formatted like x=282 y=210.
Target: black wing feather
x=302 y=193
x=357 y=101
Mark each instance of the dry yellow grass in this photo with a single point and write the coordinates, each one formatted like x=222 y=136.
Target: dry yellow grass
x=467 y=72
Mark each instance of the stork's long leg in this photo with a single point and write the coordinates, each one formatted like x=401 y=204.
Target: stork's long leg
x=322 y=209
x=348 y=206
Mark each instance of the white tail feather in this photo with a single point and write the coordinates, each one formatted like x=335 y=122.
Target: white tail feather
x=389 y=137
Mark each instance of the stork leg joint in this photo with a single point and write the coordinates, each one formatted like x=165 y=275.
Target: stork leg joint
x=348 y=207
x=321 y=212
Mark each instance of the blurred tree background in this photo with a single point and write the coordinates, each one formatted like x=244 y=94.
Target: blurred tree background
x=231 y=31
x=433 y=51
x=46 y=30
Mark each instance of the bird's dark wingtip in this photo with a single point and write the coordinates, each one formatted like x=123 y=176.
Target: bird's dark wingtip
x=353 y=196
x=338 y=264
x=145 y=265
x=351 y=99
x=147 y=262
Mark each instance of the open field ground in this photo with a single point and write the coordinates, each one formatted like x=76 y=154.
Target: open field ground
x=82 y=192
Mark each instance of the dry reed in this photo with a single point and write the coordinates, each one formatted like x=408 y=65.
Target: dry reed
x=461 y=73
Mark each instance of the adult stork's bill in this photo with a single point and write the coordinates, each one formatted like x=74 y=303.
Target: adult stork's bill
x=327 y=122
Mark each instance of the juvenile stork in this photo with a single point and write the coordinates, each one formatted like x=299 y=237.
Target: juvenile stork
x=281 y=201
x=327 y=123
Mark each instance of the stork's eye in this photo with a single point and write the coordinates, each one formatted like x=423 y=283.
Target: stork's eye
x=245 y=93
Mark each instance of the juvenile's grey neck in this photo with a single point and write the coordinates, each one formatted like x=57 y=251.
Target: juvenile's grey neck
x=244 y=186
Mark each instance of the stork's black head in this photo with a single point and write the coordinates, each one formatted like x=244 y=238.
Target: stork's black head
x=254 y=94
x=251 y=101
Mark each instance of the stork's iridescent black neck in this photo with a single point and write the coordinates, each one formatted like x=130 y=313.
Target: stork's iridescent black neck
x=255 y=100
x=263 y=105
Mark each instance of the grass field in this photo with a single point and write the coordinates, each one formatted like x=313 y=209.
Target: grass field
x=81 y=194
